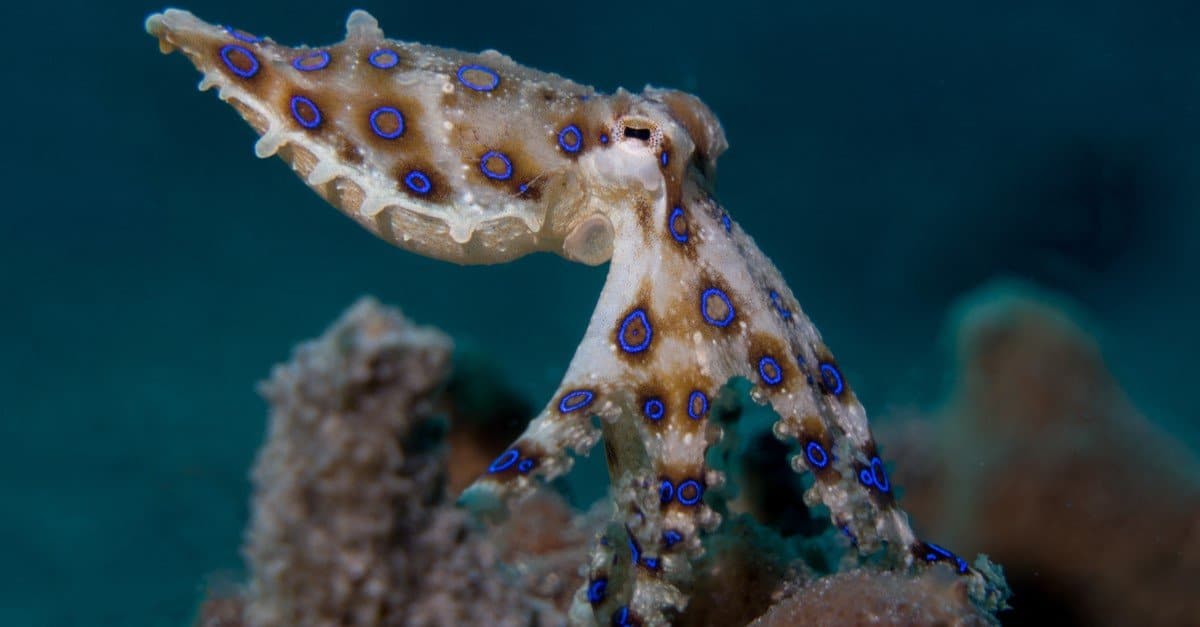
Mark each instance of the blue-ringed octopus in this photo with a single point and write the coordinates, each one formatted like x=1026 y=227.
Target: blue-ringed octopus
x=474 y=159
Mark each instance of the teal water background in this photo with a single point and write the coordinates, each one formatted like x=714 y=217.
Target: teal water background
x=888 y=157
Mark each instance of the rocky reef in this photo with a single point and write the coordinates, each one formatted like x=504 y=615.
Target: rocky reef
x=374 y=429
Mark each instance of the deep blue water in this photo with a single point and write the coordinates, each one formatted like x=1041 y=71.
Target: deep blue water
x=888 y=157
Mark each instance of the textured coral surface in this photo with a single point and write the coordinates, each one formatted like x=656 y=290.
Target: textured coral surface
x=859 y=597
x=352 y=523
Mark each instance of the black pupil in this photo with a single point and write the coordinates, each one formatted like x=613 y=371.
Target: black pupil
x=638 y=133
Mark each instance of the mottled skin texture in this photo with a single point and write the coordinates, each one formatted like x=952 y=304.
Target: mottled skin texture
x=495 y=161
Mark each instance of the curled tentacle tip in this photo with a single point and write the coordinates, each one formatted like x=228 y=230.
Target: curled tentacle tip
x=483 y=501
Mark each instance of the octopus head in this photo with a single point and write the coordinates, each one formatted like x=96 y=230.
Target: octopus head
x=658 y=142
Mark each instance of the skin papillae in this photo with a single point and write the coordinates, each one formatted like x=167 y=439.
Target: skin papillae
x=473 y=159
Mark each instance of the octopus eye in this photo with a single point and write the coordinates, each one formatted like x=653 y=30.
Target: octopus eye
x=637 y=133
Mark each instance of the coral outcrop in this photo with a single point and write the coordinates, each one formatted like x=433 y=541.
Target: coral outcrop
x=1041 y=460
x=352 y=523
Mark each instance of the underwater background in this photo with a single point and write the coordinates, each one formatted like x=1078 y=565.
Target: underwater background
x=890 y=159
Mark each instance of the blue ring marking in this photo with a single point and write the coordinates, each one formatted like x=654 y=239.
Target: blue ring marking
x=242 y=35
x=693 y=398
x=418 y=181
x=817 y=456
x=726 y=222
x=832 y=378
x=298 y=100
x=603 y=138
x=671 y=538
x=778 y=302
x=879 y=474
x=321 y=56
x=526 y=465
x=676 y=213
x=866 y=477
x=229 y=48
x=665 y=158
x=769 y=362
x=723 y=322
x=574 y=400
x=478 y=68
x=620 y=617
x=570 y=138
x=637 y=315
x=499 y=176
x=940 y=553
x=505 y=461
x=654 y=409
x=596 y=590
x=399 y=122
x=383 y=59
x=634 y=552
x=524 y=187
x=666 y=491
x=690 y=483
x=651 y=563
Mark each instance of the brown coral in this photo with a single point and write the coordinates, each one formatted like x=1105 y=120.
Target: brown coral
x=1040 y=460
x=935 y=596
x=352 y=524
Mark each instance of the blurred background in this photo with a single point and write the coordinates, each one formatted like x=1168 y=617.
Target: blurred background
x=889 y=159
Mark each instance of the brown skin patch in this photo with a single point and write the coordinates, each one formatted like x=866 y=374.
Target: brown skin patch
x=242 y=56
x=813 y=430
x=648 y=393
x=529 y=457
x=882 y=498
x=675 y=318
x=508 y=89
x=695 y=303
x=826 y=381
x=676 y=392
x=310 y=107
x=403 y=61
x=586 y=134
x=439 y=188
x=763 y=345
x=644 y=212
x=308 y=61
x=690 y=491
x=524 y=169
x=480 y=77
x=531 y=189
x=681 y=224
x=411 y=141
x=635 y=332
